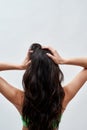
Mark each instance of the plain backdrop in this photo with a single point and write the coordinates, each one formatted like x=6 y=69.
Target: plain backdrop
x=60 y=24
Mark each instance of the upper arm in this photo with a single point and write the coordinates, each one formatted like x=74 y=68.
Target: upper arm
x=73 y=87
x=13 y=94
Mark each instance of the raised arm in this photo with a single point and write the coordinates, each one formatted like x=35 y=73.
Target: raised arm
x=72 y=87
x=13 y=94
x=79 y=61
x=10 y=66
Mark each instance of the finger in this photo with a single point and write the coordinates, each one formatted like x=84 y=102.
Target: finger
x=51 y=56
x=49 y=48
x=28 y=63
x=30 y=51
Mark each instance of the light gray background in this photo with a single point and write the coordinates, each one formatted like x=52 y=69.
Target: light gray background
x=60 y=24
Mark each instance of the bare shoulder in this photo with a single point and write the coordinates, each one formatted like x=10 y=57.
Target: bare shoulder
x=20 y=97
x=12 y=93
x=24 y=128
x=66 y=98
x=19 y=100
x=72 y=88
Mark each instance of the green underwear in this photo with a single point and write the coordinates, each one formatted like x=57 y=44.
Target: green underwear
x=55 y=124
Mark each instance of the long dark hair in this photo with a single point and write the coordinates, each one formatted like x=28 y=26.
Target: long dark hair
x=44 y=94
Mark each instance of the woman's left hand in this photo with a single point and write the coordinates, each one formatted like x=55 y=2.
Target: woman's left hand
x=26 y=61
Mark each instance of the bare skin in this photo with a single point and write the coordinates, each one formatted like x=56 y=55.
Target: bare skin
x=16 y=96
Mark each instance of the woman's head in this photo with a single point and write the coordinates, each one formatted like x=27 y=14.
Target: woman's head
x=43 y=91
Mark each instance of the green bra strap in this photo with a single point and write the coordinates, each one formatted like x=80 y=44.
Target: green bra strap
x=55 y=123
x=24 y=122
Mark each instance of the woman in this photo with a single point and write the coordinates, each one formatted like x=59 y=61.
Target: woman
x=43 y=100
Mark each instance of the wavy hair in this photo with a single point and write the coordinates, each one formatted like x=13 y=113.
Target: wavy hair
x=44 y=94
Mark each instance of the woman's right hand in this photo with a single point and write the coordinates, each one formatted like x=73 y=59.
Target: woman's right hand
x=55 y=55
